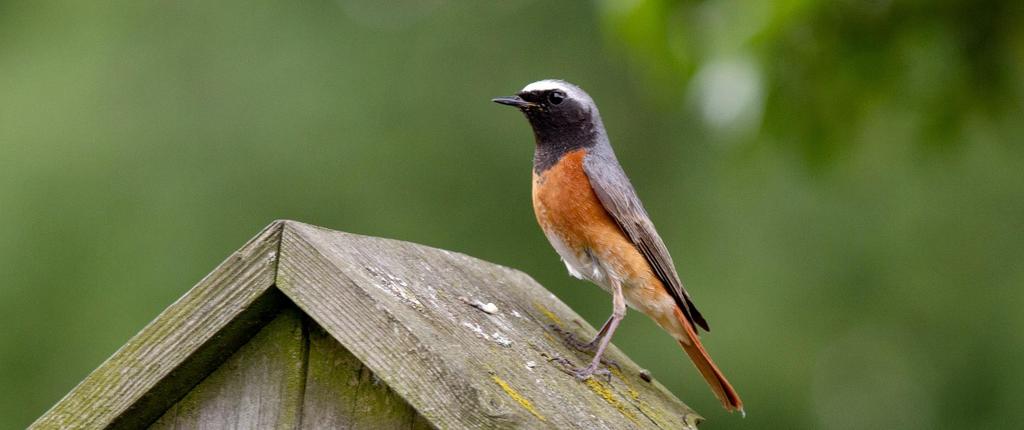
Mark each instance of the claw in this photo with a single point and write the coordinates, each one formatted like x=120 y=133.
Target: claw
x=589 y=371
x=563 y=361
x=586 y=347
x=581 y=373
x=571 y=340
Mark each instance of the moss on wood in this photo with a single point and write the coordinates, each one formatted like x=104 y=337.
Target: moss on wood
x=388 y=340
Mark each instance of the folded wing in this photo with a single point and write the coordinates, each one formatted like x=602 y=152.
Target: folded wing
x=620 y=200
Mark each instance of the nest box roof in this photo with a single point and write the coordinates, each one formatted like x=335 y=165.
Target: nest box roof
x=464 y=343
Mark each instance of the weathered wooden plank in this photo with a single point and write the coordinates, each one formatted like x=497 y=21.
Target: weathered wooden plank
x=405 y=311
x=316 y=286
x=260 y=387
x=415 y=316
x=180 y=347
x=341 y=393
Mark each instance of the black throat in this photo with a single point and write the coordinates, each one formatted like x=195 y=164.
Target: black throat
x=556 y=140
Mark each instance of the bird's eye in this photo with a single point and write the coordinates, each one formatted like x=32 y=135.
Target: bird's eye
x=556 y=97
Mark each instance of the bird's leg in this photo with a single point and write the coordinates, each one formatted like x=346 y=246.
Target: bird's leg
x=589 y=346
x=603 y=338
x=571 y=339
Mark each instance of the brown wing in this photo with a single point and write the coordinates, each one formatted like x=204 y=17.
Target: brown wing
x=620 y=200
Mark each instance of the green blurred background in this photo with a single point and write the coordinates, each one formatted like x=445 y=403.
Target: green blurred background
x=840 y=182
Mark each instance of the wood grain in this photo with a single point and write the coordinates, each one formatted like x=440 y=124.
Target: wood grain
x=341 y=393
x=411 y=337
x=260 y=387
x=180 y=347
x=405 y=312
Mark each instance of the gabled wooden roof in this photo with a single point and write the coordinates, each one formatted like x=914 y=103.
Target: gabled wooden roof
x=466 y=343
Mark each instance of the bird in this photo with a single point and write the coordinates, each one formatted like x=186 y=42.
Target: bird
x=590 y=213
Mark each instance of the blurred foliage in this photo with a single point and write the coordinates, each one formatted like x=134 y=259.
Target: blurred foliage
x=829 y=70
x=840 y=183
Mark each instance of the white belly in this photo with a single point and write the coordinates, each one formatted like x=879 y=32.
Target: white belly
x=583 y=265
x=589 y=266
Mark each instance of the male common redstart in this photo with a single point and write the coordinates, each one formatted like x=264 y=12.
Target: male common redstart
x=593 y=218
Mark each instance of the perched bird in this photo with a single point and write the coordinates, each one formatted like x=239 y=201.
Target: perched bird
x=593 y=218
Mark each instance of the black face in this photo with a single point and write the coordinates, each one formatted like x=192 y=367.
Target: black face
x=552 y=108
x=549 y=97
x=560 y=123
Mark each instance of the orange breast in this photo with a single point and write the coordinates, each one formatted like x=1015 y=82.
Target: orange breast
x=566 y=206
x=574 y=218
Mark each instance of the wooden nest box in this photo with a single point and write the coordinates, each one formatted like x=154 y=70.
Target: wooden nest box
x=316 y=329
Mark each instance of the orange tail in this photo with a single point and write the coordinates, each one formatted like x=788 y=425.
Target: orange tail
x=714 y=377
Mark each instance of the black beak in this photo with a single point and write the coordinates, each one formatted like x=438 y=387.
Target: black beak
x=512 y=101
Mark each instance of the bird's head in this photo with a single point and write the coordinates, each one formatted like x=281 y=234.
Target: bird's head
x=554 y=106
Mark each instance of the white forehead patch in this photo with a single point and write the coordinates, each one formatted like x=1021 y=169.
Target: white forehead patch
x=548 y=84
x=571 y=90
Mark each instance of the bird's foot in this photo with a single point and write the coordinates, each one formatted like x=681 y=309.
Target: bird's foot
x=586 y=347
x=584 y=373
x=609 y=364
x=562 y=361
x=591 y=370
x=571 y=340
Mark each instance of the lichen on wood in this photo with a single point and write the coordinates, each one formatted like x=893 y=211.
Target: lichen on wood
x=519 y=398
x=406 y=312
x=260 y=386
x=391 y=332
